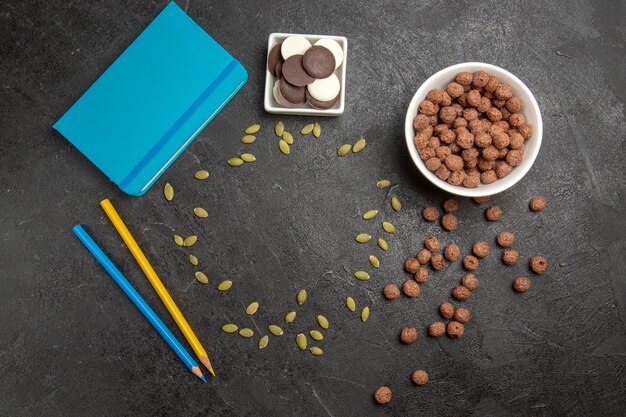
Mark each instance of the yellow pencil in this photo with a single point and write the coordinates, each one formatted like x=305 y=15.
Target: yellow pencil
x=156 y=283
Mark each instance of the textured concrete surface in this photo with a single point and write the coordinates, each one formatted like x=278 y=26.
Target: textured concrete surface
x=72 y=345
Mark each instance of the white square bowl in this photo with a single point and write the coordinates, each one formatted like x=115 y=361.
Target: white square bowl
x=271 y=106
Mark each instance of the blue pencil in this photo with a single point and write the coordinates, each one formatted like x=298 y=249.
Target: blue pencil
x=137 y=300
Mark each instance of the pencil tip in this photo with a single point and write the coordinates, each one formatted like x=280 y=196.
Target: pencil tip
x=207 y=364
x=212 y=372
x=203 y=379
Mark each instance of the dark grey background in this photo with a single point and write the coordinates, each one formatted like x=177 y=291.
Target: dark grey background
x=72 y=345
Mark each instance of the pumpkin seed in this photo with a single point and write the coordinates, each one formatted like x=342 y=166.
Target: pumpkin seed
x=388 y=227
x=235 y=162
x=323 y=322
x=316 y=335
x=301 y=297
x=252 y=307
x=193 y=260
x=263 y=342
x=382 y=243
x=307 y=129
x=225 y=285
x=301 y=341
x=229 y=328
x=200 y=213
x=351 y=304
x=362 y=275
x=365 y=313
x=168 y=191
x=248 y=139
x=275 y=330
x=343 y=150
x=374 y=261
x=252 y=129
x=288 y=137
x=246 y=332
x=201 y=175
x=395 y=203
x=248 y=157
x=317 y=130
x=363 y=238
x=284 y=147
x=383 y=184
x=358 y=146
x=190 y=240
x=279 y=129
x=290 y=317
x=178 y=240
x=316 y=351
x=201 y=277
x=370 y=214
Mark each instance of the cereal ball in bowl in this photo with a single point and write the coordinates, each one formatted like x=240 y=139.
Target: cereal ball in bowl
x=485 y=134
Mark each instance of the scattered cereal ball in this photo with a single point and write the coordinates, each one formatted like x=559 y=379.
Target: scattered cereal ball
x=451 y=205
x=505 y=239
x=452 y=252
x=488 y=176
x=419 y=377
x=382 y=395
x=492 y=84
x=503 y=92
x=480 y=79
x=437 y=329
x=421 y=275
x=470 y=263
x=408 y=335
x=538 y=264
x=502 y=169
x=455 y=329
x=423 y=257
x=493 y=213
x=428 y=108
x=473 y=98
x=411 y=288
x=431 y=243
x=514 y=104
x=446 y=310
x=454 y=90
x=435 y=96
x=525 y=130
x=517 y=119
x=420 y=122
x=510 y=257
x=482 y=200
x=454 y=162
x=430 y=213
x=464 y=78
x=443 y=173
x=462 y=315
x=411 y=265
x=521 y=284
x=461 y=293
x=537 y=203
x=469 y=281
x=437 y=262
x=449 y=222
x=391 y=291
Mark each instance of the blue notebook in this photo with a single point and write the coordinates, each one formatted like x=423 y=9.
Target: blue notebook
x=148 y=106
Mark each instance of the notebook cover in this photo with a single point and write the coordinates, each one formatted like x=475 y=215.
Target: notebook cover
x=148 y=106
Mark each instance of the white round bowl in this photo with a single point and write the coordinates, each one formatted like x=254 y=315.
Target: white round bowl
x=530 y=110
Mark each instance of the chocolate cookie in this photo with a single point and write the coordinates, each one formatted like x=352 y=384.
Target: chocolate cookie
x=279 y=69
x=294 y=72
x=274 y=58
x=291 y=93
x=321 y=105
x=318 y=62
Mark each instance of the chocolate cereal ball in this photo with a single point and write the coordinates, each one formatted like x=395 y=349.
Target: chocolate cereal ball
x=510 y=257
x=469 y=281
x=525 y=130
x=431 y=243
x=481 y=249
x=493 y=213
x=456 y=178
x=391 y=291
x=515 y=156
x=435 y=96
x=521 y=284
x=451 y=205
x=462 y=315
x=421 y=275
x=432 y=164
x=437 y=329
x=537 y=203
x=452 y=252
x=446 y=310
x=449 y=222
x=470 y=263
x=411 y=288
x=480 y=79
x=446 y=114
x=420 y=122
x=538 y=264
x=419 y=377
x=472 y=179
x=482 y=200
x=492 y=84
x=514 y=104
x=431 y=213
x=423 y=257
x=454 y=162
x=460 y=293
x=464 y=78
x=411 y=265
x=437 y=262
x=454 y=90
x=408 y=335
x=443 y=173
x=455 y=329
x=383 y=395
x=503 y=92
x=505 y=239
x=428 y=108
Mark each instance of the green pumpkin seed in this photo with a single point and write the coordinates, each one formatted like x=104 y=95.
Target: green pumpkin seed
x=316 y=335
x=383 y=184
x=229 y=328
x=275 y=330
x=284 y=147
x=248 y=157
x=235 y=162
x=363 y=238
x=388 y=227
x=382 y=243
x=290 y=317
x=201 y=175
x=190 y=240
x=358 y=146
x=301 y=297
x=193 y=260
x=168 y=192
x=374 y=261
x=362 y=275
x=246 y=332
x=279 y=129
x=370 y=214
x=365 y=313
x=252 y=307
x=350 y=303
x=252 y=129
x=178 y=240
x=307 y=129
x=264 y=341
x=395 y=203
x=317 y=130
x=288 y=137
x=301 y=341
x=225 y=285
x=248 y=139
x=201 y=277
x=316 y=351
x=200 y=213
x=323 y=322
x=343 y=150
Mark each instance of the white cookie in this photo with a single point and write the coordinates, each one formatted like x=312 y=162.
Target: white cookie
x=294 y=45
x=325 y=89
x=334 y=47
